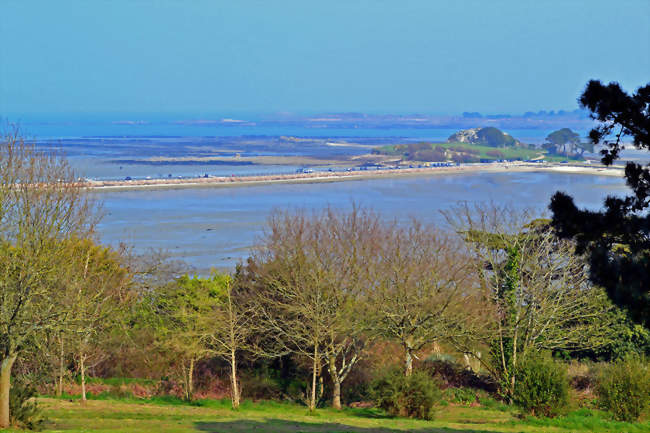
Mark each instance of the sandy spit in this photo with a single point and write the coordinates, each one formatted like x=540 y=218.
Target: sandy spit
x=240 y=181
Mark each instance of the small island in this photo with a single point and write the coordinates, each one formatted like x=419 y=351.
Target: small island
x=490 y=144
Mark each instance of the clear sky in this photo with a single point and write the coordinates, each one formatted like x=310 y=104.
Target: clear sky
x=233 y=56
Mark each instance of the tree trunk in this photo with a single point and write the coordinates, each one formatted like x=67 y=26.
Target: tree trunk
x=190 y=384
x=82 y=370
x=336 y=399
x=321 y=385
x=312 y=400
x=514 y=362
x=233 y=379
x=409 y=362
x=5 y=386
x=336 y=381
x=59 y=390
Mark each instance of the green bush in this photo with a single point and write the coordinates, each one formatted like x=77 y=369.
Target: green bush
x=23 y=408
x=542 y=387
x=623 y=388
x=464 y=396
x=413 y=396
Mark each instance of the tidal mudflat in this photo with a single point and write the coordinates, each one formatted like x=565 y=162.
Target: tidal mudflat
x=216 y=227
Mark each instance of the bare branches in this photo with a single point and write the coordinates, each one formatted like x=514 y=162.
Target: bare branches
x=536 y=284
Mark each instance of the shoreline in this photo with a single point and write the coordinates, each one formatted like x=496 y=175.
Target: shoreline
x=318 y=177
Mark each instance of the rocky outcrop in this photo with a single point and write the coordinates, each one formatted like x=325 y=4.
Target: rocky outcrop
x=465 y=136
x=488 y=136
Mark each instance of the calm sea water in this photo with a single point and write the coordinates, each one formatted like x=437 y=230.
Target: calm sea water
x=216 y=227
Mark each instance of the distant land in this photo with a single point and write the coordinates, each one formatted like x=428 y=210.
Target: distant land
x=334 y=124
x=576 y=119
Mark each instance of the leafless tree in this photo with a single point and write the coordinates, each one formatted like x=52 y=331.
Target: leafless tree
x=313 y=270
x=422 y=291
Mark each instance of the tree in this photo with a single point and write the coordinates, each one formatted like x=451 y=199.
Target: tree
x=234 y=323
x=536 y=289
x=616 y=239
x=311 y=269
x=421 y=292
x=183 y=314
x=97 y=289
x=494 y=137
x=565 y=141
x=41 y=206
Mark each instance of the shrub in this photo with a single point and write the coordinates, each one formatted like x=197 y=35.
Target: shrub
x=23 y=407
x=623 y=388
x=259 y=387
x=413 y=396
x=455 y=375
x=464 y=396
x=496 y=154
x=542 y=387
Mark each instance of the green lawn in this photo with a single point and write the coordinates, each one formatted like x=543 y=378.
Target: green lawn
x=134 y=416
x=508 y=152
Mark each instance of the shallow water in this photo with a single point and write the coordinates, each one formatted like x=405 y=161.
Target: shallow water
x=216 y=227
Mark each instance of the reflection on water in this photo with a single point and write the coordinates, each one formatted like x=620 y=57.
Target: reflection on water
x=215 y=227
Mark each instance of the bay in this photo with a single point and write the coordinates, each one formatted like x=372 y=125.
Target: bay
x=216 y=227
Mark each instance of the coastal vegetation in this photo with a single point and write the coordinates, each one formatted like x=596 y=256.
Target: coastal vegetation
x=457 y=152
x=567 y=143
x=491 y=144
x=487 y=136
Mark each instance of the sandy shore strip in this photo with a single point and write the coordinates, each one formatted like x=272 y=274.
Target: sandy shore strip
x=337 y=176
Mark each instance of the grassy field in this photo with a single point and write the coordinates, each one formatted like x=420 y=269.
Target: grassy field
x=170 y=416
x=482 y=151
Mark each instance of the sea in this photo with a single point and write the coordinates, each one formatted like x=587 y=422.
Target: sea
x=217 y=227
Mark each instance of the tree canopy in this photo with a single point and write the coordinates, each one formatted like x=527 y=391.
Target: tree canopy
x=566 y=142
x=616 y=238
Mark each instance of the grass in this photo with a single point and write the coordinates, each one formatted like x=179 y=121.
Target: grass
x=169 y=415
x=482 y=151
x=508 y=152
x=117 y=381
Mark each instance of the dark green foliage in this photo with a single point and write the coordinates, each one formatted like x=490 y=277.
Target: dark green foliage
x=464 y=158
x=411 y=396
x=624 y=388
x=261 y=386
x=433 y=155
x=628 y=339
x=542 y=387
x=488 y=136
x=616 y=239
x=23 y=407
x=455 y=375
x=491 y=136
x=502 y=348
x=566 y=142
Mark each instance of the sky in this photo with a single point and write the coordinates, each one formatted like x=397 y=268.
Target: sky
x=307 y=56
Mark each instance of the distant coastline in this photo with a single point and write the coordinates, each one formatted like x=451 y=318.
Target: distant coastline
x=338 y=176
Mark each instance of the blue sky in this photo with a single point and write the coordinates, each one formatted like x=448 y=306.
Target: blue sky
x=406 y=56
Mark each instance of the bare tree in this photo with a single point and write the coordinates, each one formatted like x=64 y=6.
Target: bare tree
x=41 y=205
x=234 y=320
x=535 y=287
x=312 y=271
x=423 y=289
